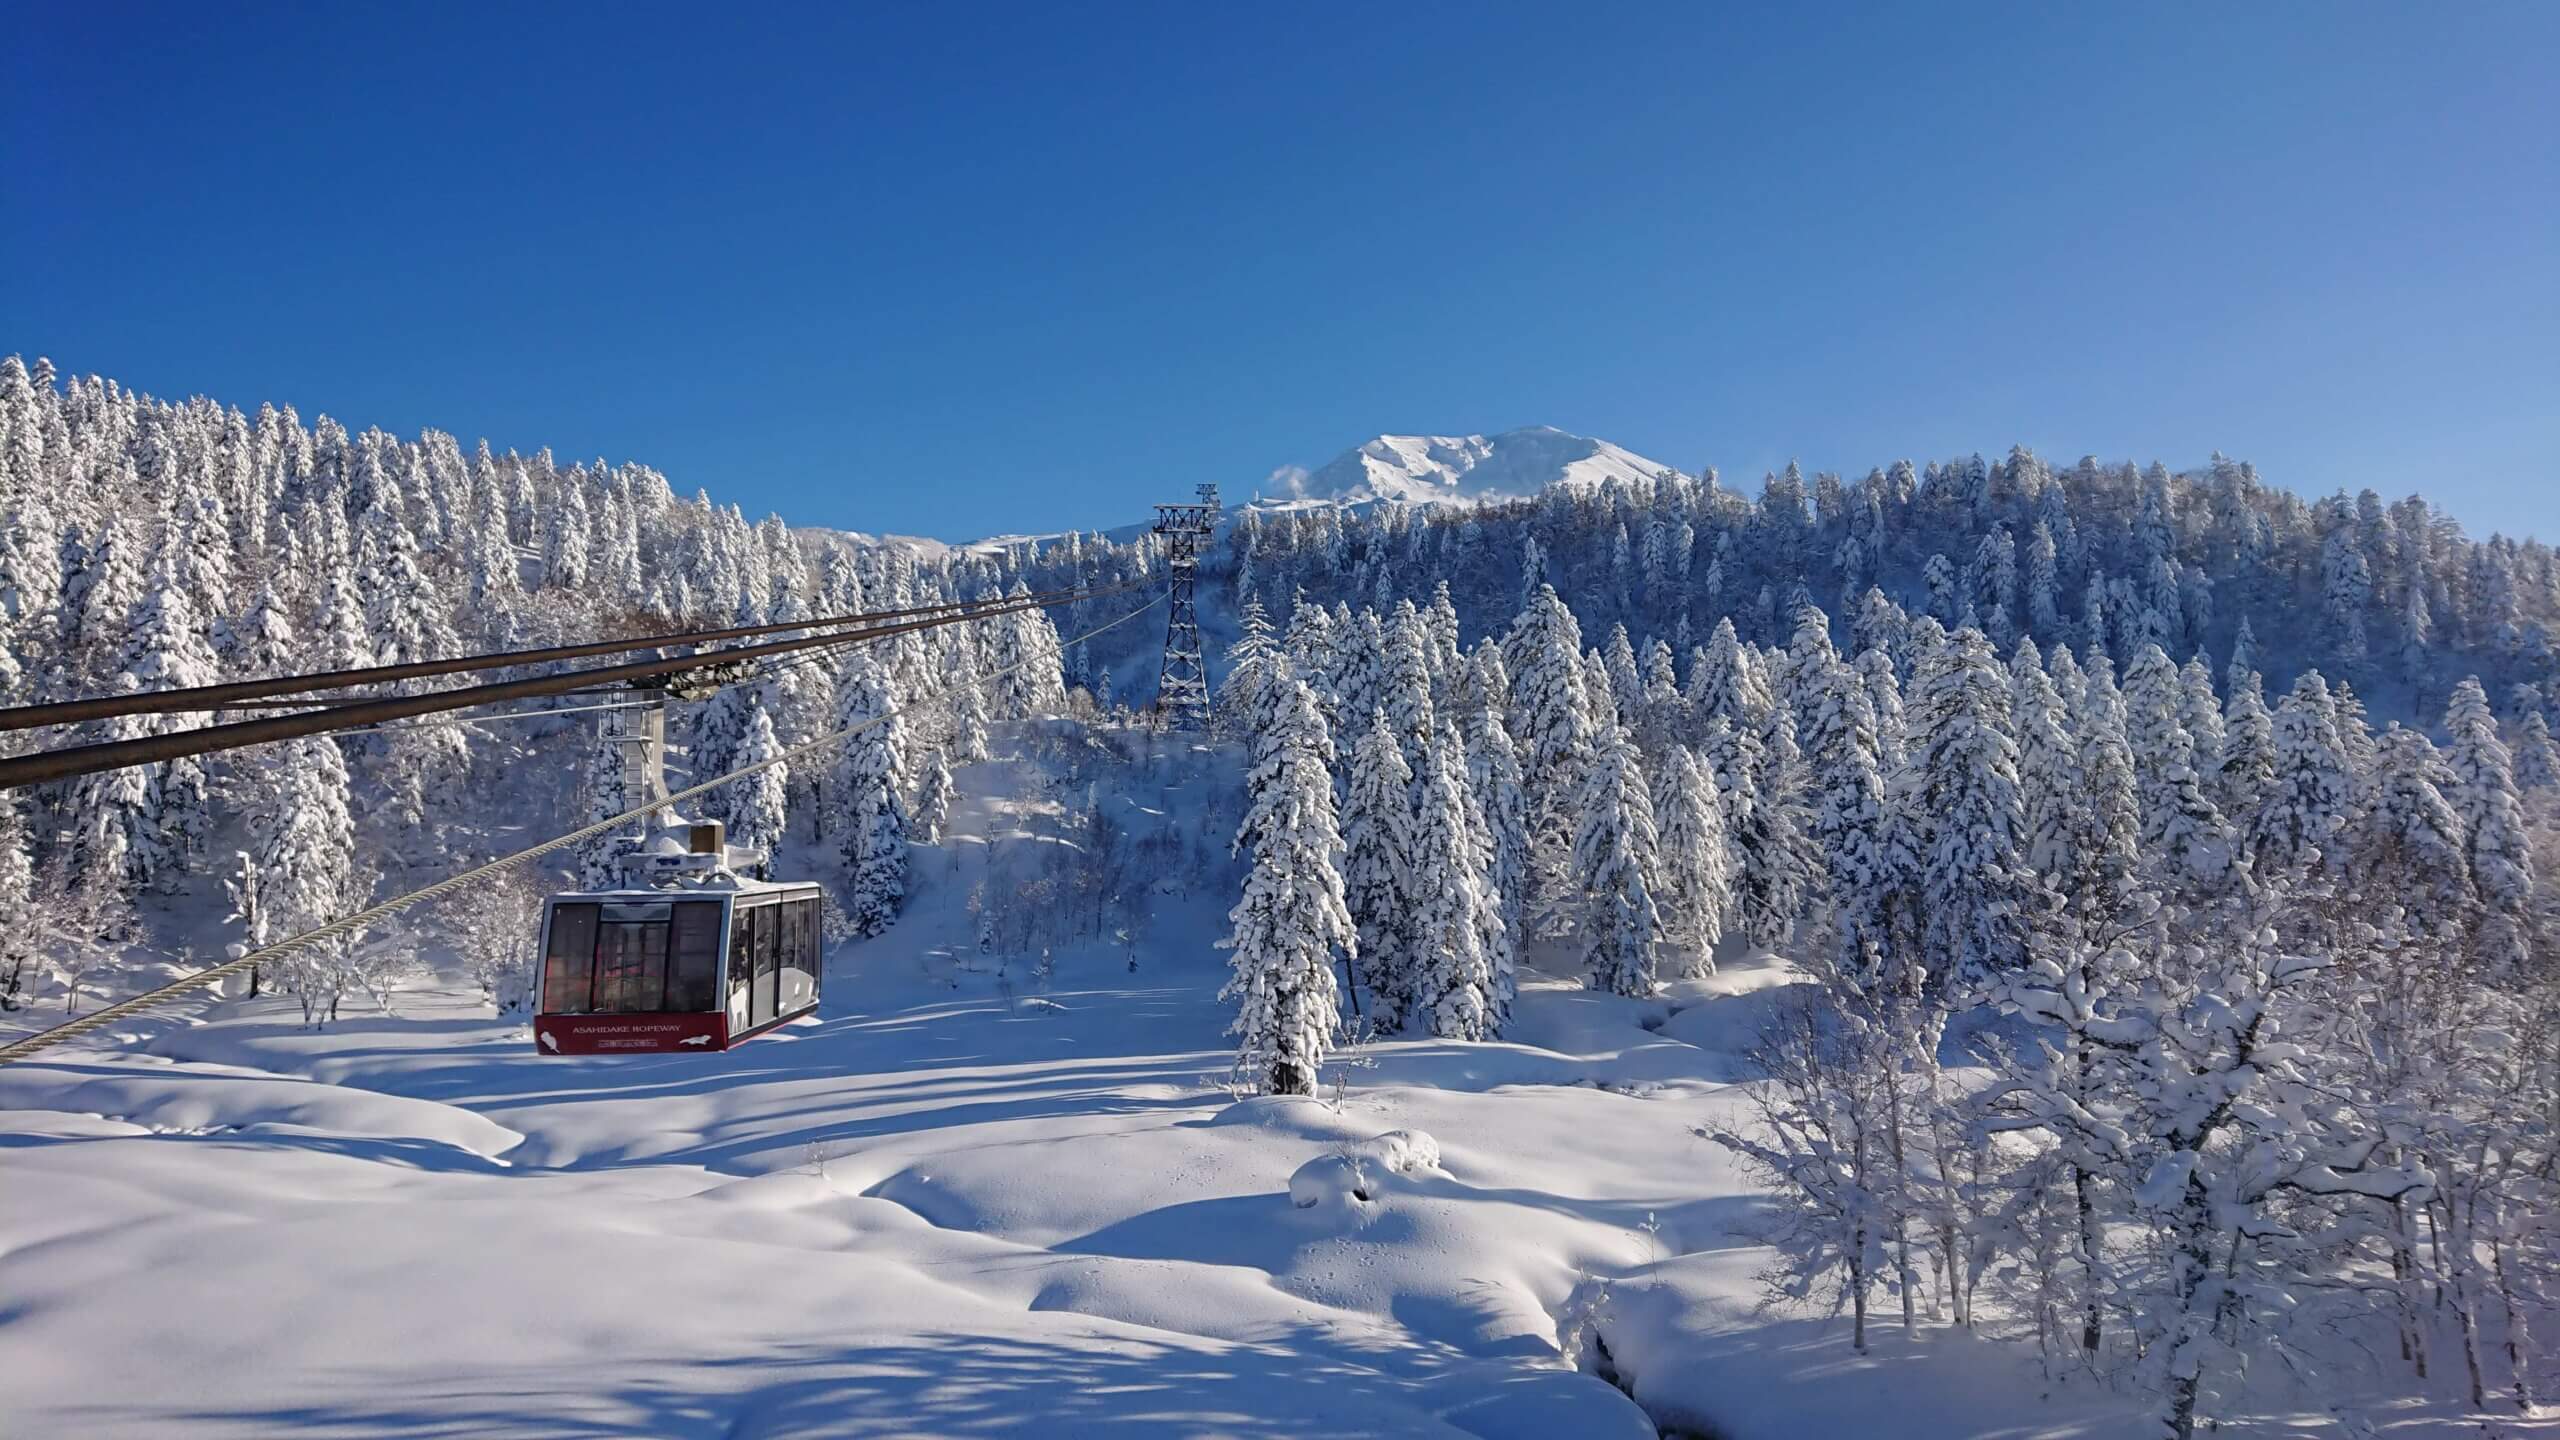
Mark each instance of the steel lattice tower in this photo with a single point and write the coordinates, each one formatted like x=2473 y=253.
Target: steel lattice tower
x=1182 y=685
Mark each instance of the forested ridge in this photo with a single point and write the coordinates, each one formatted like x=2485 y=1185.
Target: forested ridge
x=152 y=545
x=2162 y=850
x=2161 y=854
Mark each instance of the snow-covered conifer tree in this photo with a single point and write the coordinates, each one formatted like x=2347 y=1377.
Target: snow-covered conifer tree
x=1974 y=885
x=302 y=854
x=1404 y=684
x=870 y=791
x=933 y=798
x=1029 y=678
x=2309 y=793
x=407 y=619
x=2485 y=796
x=1440 y=621
x=2201 y=714
x=1599 y=691
x=2248 y=767
x=568 y=546
x=1718 y=681
x=1251 y=662
x=968 y=720
x=1626 y=682
x=2537 y=759
x=1493 y=774
x=1377 y=871
x=2183 y=835
x=1696 y=860
x=1359 y=658
x=2053 y=795
x=1552 y=722
x=1613 y=851
x=2244 y=656
x=169 y=649
x=759 y=806
x=2355 y=731
x=1310 y=645
x=602 y=796
x=1884 y=707
x=1292 y=920
x=102 y=582
x=2409 y=843
x=2346 y=585
x=20 y=943
x=1880 y=625
x=2044 y=585
x=1457 y=979
x=2094 y=633
x=1774 y=867
x=1661 y=707
x=1849 y=814
x=1939 y=574
x=720 y=726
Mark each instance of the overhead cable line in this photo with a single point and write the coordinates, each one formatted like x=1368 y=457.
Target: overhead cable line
x=510 y=717
x=25 y=1046
x=216 y=697
x=75 y=760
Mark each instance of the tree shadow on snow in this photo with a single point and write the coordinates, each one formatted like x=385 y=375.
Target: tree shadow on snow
x=1109 y=1382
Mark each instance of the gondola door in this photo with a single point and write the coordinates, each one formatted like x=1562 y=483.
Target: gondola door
x=741 y=971
x=768 y=919
x=755 y=970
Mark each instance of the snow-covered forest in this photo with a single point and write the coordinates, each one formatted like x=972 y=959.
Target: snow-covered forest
x=2164 y=848
x=2153 y=860
x=152 y=545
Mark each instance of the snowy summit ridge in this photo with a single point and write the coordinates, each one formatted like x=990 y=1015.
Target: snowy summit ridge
x=1434 y=468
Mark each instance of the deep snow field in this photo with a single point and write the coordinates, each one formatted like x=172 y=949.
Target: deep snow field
x=956 y=1202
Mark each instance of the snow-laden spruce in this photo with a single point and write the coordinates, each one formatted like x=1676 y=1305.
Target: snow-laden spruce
x=1378 y=879
x=1291 y=921
x=1614 y=853
x=870 y=795
x=933 y=798
x=300 y=871
x=2309 y=794
x=2183 y=835
x=1696 y=860
x=1501 y=804
x=2485 y=796
x=1460 y=977
x=1849 y=818
x=759 y=806
x=1551 y=721
x=1975 y=887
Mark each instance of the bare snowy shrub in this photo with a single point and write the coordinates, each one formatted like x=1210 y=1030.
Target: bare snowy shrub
x=495 y=931
x=1820 y=1141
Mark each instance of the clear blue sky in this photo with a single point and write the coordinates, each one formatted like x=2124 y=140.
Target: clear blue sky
x=949 y=270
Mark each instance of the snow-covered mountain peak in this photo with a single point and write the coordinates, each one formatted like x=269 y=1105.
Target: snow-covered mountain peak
x=1427 y=468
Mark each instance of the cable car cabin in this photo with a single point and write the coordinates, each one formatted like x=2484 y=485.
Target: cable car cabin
x=675 y=969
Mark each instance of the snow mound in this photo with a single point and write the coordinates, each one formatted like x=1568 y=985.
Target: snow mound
x=1422 y=469
x=192 y=1100
x=1352 y=1174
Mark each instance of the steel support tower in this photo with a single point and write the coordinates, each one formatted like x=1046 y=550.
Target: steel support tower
x=1182 y=685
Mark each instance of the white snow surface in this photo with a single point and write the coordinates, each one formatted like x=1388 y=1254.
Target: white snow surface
x=955 y=1202
x=1430 y=468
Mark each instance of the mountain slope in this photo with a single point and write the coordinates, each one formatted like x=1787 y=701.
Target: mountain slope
x=1430 y=468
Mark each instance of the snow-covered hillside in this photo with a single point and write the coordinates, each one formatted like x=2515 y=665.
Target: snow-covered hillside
x=1423 y=469
x=978 y=1194
x=1984 y=948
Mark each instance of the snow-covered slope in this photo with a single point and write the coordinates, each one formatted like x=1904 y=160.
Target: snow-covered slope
x=1426 y=468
